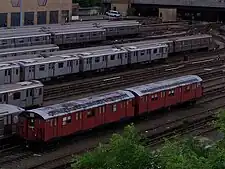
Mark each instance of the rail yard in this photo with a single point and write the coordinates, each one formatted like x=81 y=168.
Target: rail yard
x=65 y=81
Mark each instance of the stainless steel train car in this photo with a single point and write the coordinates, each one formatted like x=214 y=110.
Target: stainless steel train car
x=79 y=35
x=19 y=39
x=45 y=68
x=146 y=52
x=22 y=94
x=61 y=63
x=120 y=28
x=8 y=120
x=58 y=34
x=9 y=72
x=27 y=50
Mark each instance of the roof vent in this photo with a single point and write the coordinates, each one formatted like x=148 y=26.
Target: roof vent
x=85 y=54
x=28 y=61
x=116 y=50
x=132 y=47
x=66 y=56
x=24 y=83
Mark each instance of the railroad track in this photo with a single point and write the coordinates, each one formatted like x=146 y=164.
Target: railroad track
x=57 y=159
x=128 y=78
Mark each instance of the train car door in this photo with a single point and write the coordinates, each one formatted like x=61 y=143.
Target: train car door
x=7 y=78
x=4 y=98
x=70 y=66
x=7 y=125
x=51 y=69
x=55 y=123
x=29 y=97
x=78 y=121
x=30 y=73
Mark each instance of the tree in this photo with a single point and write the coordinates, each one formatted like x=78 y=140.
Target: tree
x=123 y=152
x=127 y=151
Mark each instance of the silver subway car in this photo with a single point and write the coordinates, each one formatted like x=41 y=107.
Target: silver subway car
x=22 y=94
x=45 y=68
x=8 y=120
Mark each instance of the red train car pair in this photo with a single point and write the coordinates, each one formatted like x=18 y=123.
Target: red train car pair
x=47 y=123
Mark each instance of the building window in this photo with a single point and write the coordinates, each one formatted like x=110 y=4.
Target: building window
x=16 y=96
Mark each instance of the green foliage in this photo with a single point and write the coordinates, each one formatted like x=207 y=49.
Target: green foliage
x=88 y=3
x=127 y=151
x=123 y=152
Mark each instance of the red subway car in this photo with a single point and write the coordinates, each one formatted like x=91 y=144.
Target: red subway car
x=47 y=123
x=67 y=118
x=166 y=93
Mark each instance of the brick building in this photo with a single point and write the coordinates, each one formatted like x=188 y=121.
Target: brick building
x=35 y=12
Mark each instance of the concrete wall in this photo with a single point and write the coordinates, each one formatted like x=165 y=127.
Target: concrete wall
x=167 y=14
x=9 y=6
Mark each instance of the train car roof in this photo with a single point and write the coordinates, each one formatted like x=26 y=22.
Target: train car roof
x=16 y=59
x=7 y=109
x=82 y=104
x=8 y=65
x=13 y=87
x=77 y=31
x=192 y=37
x=103 y=52
x=144 y=46
x=78 y=50
x=28 y=48
x=51 y=59
x=164 y=85
x=23 y=35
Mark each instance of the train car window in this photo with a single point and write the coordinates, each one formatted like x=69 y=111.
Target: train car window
x=194 y=86
x=77 y=116
x=5 y=120
x=114 y=108
x=94 y=34
x=125 y=55
x=55 y=122
x=31 y=92
x=160 y=50
x=103 y=109
x=187 y=88
x=69 y=119
x=0 y=98
x=51 y=122
x=9 y=72
x=17 y=71
x=60 y=65
x=153 y=97
x=81 y=35
x=37 y=39
x=155 y=51
x=27 y=93
x=6 y=72
x=90 y=113
x=4 y=42
x=112 y=57
x=77 y=61
x=40 y=91
x=97 y=59
x=42 y=67
x=31 y=123
x=142 y=53
x=16 y=96
x=64 y=121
